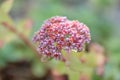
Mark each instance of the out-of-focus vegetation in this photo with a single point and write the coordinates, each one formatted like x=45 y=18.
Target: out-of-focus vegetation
x=100 y=62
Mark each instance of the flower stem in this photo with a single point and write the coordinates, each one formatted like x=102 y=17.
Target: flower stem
x=22 y=37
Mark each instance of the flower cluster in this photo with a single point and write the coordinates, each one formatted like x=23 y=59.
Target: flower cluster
x=59 y=33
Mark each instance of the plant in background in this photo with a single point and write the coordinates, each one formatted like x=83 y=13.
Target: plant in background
x=58 y=34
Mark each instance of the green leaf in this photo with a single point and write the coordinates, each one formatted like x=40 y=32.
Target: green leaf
x=25 y=26
x=4 y=17
x=38 y=69
x=73 y=75
x=7 y=5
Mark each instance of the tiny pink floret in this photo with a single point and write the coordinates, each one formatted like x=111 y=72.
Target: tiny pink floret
x=59 y=33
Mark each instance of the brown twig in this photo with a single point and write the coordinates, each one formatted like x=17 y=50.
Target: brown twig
x=22 y=37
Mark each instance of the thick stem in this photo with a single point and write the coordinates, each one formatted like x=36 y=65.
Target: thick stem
x=22 y=37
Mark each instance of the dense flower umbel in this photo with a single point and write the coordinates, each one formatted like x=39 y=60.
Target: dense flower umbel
x=59 y=33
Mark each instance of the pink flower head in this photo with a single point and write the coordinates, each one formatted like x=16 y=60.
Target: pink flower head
x=58 y=33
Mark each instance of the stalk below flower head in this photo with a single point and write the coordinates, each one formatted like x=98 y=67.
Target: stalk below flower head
x=58 y=33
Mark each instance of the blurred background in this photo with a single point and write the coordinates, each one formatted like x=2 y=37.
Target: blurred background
x=20 y=19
